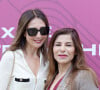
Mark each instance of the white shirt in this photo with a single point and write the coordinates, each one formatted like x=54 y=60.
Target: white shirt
x=21 y=72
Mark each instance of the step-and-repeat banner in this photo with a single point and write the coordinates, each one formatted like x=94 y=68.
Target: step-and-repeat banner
x=84 y=15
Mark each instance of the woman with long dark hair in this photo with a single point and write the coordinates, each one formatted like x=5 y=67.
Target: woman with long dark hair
x=67 y=67
x=27 y=55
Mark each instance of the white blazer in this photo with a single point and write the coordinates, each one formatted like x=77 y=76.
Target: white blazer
x=22 y=77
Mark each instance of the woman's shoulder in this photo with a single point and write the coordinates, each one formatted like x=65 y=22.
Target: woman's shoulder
x=84 y=74
x=85 y=77
x=7 y=58
x=85 y=80
x=7 y=53
x=10 y=54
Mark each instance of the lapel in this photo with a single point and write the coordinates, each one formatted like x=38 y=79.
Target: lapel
x=62 y=84
x=52 y=80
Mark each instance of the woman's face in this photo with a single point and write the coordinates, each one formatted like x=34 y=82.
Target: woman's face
x=37 y=40
x=64 y=49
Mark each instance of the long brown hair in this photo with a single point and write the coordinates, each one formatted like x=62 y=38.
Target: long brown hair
x=19 y=40
x=78 y=61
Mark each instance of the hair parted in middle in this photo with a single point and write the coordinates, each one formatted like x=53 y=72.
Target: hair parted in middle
x=19 y=40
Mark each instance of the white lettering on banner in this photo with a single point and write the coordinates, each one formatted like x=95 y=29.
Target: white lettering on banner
x=93 y=49
x=50 y=27
x=50 y=35
x=7 y=32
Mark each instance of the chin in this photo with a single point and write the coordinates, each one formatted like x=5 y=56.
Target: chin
x=63 y=62
x=37 y=46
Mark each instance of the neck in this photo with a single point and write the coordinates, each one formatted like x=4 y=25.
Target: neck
x=30 y=51
x=63 y=68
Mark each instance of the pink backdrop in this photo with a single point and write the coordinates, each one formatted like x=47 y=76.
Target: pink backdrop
x=84 y=15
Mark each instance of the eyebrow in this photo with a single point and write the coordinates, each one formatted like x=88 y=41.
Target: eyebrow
x=66 y=42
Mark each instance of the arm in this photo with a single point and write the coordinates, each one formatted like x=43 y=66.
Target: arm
x=86 y=81
x=5 y=69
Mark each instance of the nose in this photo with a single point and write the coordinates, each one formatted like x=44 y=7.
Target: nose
x=38 y=34
x=62 y=48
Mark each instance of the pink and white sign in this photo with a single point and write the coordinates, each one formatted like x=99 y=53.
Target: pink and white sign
x=81 y=14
